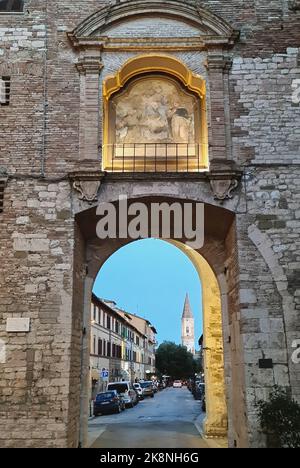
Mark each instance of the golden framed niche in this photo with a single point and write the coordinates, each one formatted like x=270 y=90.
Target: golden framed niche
x=155 y=118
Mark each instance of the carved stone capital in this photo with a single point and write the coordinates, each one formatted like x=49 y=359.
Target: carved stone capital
x=87 y=184
x=219 y=62
x=223 y=188
x=224 y=177
x=89 y=65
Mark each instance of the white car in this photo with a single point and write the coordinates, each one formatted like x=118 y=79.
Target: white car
x=177 y=384
x=138 y=390
x=126 y=390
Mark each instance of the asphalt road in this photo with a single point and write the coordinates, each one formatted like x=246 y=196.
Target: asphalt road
x=165 y=421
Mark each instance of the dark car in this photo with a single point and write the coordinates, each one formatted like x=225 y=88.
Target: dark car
x=200 y=392
x=204 y=404
x=148 y=389
x=108 y=402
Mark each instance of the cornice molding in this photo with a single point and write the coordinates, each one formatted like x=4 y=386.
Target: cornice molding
x=93 y=31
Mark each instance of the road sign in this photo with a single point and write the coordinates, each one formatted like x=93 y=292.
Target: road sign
x=104 y=374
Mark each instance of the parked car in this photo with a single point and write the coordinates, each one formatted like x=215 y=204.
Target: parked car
x=138 y=390
x=177 y=384
x=161 y=386
x=126 y=390
x=199 y=391
x=147 y=389
x=195 y=387
x=155 y=387
x=204 y=404
x=108 y=402
x=190 y=385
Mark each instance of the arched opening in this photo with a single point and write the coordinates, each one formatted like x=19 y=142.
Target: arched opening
x=155 y=117
x=211 y=261
x=215 y=419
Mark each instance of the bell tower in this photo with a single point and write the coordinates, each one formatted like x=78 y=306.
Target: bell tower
x=188 y=327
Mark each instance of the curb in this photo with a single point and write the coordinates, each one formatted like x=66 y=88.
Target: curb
x=212 y=443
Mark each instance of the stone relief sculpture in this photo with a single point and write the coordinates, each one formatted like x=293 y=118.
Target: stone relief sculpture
x=155 y=110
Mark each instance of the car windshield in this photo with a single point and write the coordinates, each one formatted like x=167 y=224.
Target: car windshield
x=105 y=396
x=146 y=384
x=121 y=388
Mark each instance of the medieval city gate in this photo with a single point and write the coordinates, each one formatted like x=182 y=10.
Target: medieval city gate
x=152 y=100
x=223 y=372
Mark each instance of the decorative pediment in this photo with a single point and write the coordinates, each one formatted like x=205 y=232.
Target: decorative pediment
x=208 y=28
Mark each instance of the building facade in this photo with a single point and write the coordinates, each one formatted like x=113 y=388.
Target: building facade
x=188 y=327
x=119 y=347
x=216 y=86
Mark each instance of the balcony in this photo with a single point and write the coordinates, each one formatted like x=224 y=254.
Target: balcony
x=155 y=157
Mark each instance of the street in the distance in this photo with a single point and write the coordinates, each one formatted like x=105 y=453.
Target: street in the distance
x=169 y=420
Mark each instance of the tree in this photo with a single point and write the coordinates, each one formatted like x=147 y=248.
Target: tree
x=280 y=419
x=175 y=360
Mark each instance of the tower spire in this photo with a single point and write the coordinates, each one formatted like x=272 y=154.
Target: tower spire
x=188 y=327
x=187 y=310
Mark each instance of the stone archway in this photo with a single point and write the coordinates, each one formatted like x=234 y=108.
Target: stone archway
x=210 y=263
x=216 y=422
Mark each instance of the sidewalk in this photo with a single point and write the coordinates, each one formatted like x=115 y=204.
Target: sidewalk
x=212 y=443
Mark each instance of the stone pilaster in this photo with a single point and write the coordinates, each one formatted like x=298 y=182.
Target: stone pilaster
x=89 y=68
x=218 y=66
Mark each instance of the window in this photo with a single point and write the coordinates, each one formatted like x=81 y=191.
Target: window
x=113 y=353
x=104 y=348
x=187 y=330
x=100 y=347
x=137 y=341
x=108 y=350
x=94 y=345
x=4 y=90
x=108 y=322
x=95 y=313
x=11 y=5
x=117 y=327
x=99 y=316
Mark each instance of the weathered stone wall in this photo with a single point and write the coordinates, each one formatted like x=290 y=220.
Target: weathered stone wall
x=36 y=232
x=265 y=120
x=40 y=136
